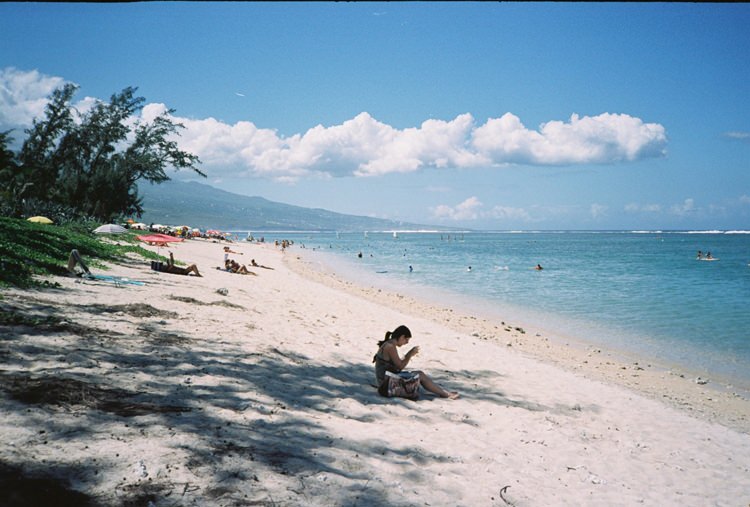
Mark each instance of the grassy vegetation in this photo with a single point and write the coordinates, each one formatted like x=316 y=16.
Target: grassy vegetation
x=28 y=249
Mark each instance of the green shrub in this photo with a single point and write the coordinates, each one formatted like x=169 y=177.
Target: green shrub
x=28 y=249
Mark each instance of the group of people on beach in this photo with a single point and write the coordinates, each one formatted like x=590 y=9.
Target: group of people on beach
x=229 y=265
x=393 y=380
x=233 y=266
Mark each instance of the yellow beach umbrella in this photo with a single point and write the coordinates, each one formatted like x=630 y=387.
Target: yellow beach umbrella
x=40 y=220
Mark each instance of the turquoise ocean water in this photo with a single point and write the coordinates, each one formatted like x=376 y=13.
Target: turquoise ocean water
x=640 y=292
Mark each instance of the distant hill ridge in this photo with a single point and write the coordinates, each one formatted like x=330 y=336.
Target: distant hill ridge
x=199 y=205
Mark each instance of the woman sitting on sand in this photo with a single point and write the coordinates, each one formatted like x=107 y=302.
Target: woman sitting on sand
x=387 y=359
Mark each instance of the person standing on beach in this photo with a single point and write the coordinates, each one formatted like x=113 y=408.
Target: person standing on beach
x=387 y=359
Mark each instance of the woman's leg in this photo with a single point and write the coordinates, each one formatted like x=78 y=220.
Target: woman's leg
x=75 y=258
x=431 y=386
x=72 y=261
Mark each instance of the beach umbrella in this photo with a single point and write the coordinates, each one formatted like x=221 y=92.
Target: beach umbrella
x=110 y=229
x=159 y=239
x=40 y=220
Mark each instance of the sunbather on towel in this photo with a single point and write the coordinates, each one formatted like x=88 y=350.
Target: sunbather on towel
x=177 y=270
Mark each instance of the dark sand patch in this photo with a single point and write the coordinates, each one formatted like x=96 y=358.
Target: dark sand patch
x=72 y=394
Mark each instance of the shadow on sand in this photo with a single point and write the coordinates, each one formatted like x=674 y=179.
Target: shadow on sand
x=270 y=388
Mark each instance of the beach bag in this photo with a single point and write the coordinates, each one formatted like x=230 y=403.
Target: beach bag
x=400 y=385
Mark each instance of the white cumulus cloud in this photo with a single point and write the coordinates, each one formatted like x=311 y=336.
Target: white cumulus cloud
x=467 y=210
x=642 y=208
x=687 y=206
x=741 y=136
x=598 y=210
x=508 y=213
x=473 y=209
x=364 y=146
x=23 y=96
x=601 y=139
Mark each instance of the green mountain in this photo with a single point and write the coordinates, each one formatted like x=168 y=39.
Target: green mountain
x=199 y=205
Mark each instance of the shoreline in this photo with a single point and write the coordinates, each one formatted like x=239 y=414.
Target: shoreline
x=717 y=398
x=227 y=389
x=647 y=311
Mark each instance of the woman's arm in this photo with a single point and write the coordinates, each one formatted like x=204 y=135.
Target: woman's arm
x=392 y=353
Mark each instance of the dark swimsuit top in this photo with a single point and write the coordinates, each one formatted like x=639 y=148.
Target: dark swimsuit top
x=382 y=365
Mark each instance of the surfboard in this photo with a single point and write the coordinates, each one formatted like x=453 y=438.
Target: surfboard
x=709 y=260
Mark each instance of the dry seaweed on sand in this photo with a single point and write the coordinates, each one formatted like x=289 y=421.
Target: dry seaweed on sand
x=135 y=310
x=15 y=316
x=189 y=300
x=72 y=393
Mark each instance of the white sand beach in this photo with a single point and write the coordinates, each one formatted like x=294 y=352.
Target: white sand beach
x=171 y=393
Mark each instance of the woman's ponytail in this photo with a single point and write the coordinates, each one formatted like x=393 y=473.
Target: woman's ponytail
x=388 y=335
x=396 y=333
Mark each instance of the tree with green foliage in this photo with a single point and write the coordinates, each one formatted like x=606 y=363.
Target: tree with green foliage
x=91 y=161
x=13 y=183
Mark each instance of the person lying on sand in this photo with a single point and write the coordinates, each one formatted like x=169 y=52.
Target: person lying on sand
x=176 y=270
x=256 y=265
x=388 y=360
x=235 y=267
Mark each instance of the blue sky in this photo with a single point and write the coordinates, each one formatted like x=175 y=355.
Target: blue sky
x=481 y=115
